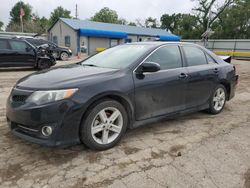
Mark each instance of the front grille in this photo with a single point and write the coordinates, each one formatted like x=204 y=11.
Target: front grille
x=19 y=98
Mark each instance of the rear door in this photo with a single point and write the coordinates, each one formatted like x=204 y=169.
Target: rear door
x=22 y=53
x=5 y=53
x=161 y=92
x=202 y=76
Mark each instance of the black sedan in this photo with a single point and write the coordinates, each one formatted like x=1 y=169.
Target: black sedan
x=95 y=101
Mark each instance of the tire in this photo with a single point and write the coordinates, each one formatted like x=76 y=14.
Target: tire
x=64 y=56
x=218 y=100
x=43 y=64
x=96 y=131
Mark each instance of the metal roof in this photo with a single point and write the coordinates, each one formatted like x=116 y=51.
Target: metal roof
x=86 y=24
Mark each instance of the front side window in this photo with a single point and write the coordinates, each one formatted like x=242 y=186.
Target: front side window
x=18 y=45
x=67 y=41
x=194 y=56
x=168 y=57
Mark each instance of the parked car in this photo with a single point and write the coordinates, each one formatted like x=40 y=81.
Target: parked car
x=97 y=100
x=62 y=53
x=16 y=52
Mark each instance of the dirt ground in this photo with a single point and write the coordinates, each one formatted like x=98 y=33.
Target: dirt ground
x=196 y=150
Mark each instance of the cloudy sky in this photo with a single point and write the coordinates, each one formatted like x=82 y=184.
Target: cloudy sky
x=128 y=9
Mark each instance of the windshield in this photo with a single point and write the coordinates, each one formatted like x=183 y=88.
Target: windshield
x=118 y=57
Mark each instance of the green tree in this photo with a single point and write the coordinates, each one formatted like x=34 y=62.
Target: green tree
x=168 y=22
x=151 y=22
x=184 y=25
x=1 y=26
x=132 y=23
x=106 y=15
x=15 y=12
x=234 y=22
x=57 y=13
x=208 y=11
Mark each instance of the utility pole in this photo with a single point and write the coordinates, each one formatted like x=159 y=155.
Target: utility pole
x=76 y=16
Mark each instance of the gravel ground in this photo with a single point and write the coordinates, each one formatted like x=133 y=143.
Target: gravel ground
x=196 y=150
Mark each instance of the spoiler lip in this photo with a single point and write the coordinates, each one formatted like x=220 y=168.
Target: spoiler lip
x=226 y=58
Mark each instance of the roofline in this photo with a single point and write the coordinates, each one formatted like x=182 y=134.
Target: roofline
x=57 y=21
x=60 y=18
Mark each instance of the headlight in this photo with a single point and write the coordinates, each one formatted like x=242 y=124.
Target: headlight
x=43 y=97
x=70 y=51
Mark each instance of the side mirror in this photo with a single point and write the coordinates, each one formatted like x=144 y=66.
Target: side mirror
x=148 y=67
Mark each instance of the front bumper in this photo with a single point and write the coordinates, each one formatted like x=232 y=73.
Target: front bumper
x=26 y=121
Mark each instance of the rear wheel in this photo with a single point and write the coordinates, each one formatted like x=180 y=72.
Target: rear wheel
x=217 y=100
x=64 y=56
x=104 y=125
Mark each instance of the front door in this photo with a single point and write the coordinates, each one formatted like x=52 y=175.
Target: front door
x=161 y=92
x=22 y=53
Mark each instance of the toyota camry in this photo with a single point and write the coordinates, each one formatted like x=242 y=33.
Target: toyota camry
x=95 y=101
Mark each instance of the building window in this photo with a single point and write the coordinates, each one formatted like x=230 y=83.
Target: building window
x=55 y=39
x=67 y=41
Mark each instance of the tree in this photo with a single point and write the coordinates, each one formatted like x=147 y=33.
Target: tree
x=132 y=23
x=168 y=22
x=184 y=25
x=151 y=22
x=57 y=13
x=234 y=22
x=106 y=15
x=15 y=12
x=1 y=26
x=208 y=11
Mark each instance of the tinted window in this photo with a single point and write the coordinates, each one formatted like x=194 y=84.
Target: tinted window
x=18 y=45
x=210 y=59
x=168 y=57
x=4 y=44
x=194 y=56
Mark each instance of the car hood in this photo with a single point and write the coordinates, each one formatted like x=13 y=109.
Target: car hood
x=65 y=77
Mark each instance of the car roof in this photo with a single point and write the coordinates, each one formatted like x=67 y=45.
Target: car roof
x=160 y=43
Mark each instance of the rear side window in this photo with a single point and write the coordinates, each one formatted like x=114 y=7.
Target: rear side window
x=210 y=59
x=168 y=57
x=4 y=44
x=194 y=56
x=18 y=45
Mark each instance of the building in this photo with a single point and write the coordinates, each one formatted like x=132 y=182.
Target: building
x=90 y=37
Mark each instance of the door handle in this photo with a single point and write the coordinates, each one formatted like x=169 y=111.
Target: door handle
x=216 y=70
x=183 y=75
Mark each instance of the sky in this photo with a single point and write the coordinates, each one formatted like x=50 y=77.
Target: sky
x=127 y=9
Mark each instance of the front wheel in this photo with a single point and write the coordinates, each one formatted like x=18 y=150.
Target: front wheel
x=104 y=125
x=217 y=100
x=43 y=64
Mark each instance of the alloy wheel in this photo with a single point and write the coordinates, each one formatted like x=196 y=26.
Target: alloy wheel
x=64 y=56
x=219 y=99
x=107 y=125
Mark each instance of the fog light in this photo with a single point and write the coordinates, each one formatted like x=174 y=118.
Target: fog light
x=47 y=130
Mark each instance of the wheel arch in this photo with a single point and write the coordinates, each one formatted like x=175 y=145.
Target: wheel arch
x=227 y=85
x=125 y=101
